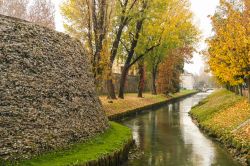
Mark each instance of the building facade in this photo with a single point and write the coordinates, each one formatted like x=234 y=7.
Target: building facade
x=187 y=81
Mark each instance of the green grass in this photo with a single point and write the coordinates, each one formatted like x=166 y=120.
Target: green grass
x=112 y=140
x=183 y=92
x=220 y=115
x=214 y=103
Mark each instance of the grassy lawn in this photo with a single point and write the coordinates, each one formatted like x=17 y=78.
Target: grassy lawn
x=131 y=101
x=112 y=140
x=223 y=114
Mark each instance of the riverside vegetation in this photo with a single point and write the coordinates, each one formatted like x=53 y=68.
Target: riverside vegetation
x=115 y=141
x=44 y=89
x=112 y=146
x=132 y=102
x=225 y=116
x=49 y=80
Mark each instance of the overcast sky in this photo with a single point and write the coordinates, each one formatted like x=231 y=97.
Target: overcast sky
x=201 y=10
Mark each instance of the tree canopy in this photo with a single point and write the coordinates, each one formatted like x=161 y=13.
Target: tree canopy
x=130 y=30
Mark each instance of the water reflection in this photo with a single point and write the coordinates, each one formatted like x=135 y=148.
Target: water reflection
x=169 y=137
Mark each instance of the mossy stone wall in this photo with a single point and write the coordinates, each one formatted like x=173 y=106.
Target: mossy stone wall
x=47 y=95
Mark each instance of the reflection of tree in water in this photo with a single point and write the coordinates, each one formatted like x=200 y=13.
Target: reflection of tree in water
x=142 y=132
x=160 y=135
x=169 y=149
x=161 y=146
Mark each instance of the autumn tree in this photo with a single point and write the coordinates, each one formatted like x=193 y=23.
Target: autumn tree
x=89 y=21
x=228 y=53
x=142 y=73
x=133 y=35
x=153 y=61
x=163 y=25
x=94 y=27
x=132 y=40
x=125 y=12
x=186 y=37
x=169 y=73
x=137 y=28
x=171 y=69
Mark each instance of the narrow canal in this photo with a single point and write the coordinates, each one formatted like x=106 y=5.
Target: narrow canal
x=168 y=137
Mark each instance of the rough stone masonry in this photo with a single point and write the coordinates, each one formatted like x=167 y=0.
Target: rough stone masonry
x=47 y=95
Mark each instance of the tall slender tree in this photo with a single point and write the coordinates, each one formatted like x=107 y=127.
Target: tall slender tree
x=89 y=21
x=141 y=82
x=125 y=13
x=157 y=23
x=133 y=44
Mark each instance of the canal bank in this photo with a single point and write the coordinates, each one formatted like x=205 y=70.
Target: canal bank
x=110 y=148
x=225 y=117
x=132 y=105
x=167 y=136
x=107 y=149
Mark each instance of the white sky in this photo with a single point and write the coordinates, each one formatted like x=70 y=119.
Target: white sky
x=201 y=10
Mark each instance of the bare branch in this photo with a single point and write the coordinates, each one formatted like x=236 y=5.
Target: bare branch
x=124 y=45
x=132 y=5
x=143 y=54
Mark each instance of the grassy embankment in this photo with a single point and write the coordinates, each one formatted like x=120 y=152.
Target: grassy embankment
x=103 y=145
x=132 y=102
x=225 y=116
x=113 y=140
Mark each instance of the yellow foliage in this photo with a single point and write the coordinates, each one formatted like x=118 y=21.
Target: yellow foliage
x=229 y=48
x=231 y=117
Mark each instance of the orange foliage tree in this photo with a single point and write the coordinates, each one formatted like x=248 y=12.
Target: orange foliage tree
x=170 y=70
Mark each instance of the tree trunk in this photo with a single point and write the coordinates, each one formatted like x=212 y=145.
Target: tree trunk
x=123 y=81
x=248 y=83
x=141 y=78
x=240 y=90
x=230 y=88
x=154 y=91
x=110 y=85
x=111 y=89
x=236 y=90
x=99 y=15
x=131 y=52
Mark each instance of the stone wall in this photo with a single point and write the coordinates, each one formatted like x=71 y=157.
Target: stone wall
x=47 y=96
x=131 y=85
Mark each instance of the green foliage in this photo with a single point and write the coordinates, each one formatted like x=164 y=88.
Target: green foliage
x=169 y=24
x=151 y=28
x=107 y=143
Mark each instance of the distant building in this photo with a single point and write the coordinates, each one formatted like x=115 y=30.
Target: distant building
x=187 y=81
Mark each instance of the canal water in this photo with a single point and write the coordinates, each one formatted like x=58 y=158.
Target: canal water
x=167 y=137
